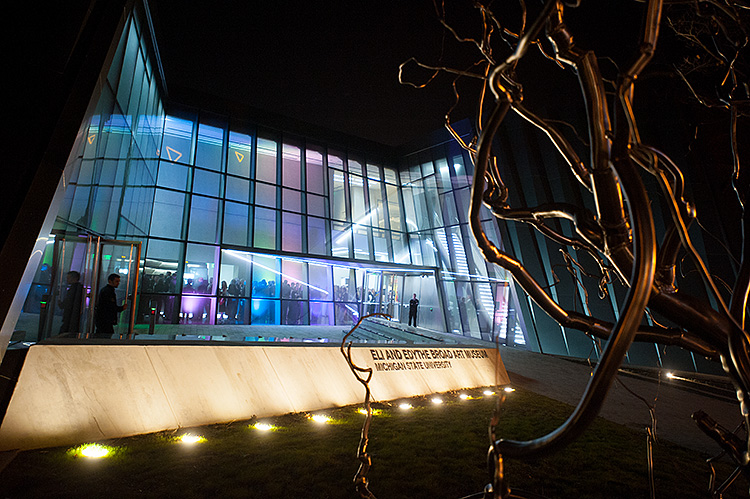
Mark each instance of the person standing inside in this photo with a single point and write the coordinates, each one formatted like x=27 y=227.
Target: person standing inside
x=71 y=304
x=413 y=304
x=107 y=309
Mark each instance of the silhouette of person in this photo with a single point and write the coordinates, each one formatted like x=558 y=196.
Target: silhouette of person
x=413 y=304
x=107 y=309
x=71 y=304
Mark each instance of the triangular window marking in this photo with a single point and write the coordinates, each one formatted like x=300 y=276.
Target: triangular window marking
x=239 y=155
x=91 y=138
x=169 y=154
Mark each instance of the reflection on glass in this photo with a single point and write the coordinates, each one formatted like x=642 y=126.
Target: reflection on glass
x=315 y=170
x=178 y=135
x=317 y=235
x=240 y=150
x=200 y=262
x=265 y=228
x=208 y=148
x=266 y=165
x=321 y=313
x=291 y=165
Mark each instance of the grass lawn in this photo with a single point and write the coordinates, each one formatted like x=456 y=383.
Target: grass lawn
x=430 y=451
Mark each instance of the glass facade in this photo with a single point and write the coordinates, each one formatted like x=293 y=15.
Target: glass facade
x=240 y=224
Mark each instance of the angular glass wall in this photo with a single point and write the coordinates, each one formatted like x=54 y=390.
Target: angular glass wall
x=476 y=297
x=109 y=193
x=226 y=188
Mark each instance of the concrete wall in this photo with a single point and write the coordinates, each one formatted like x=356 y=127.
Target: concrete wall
x=75 y=393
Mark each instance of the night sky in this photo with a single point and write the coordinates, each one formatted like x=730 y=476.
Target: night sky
x=333 y=64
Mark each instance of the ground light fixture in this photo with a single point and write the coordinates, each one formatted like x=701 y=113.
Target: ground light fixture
x=92 y=451
x=263 y=427
x=363 y=411
x=509 y=389
x=405 y=406
x=321 y=418
x=488 y=393
x=437 y=400
x=464 y=396
x=189 y=439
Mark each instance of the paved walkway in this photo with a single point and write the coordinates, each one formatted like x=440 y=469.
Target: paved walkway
x=565 y=381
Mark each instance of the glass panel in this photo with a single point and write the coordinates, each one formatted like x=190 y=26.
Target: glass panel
x=266 y=166
x=415 y=249
x=462 y=178
x=200 y=269
x=265 y=195
x=238 y=189
x=290 y=167
x=341 y=239
x=295 y=273
x=400 y=249
x=266 y=276
x=390 y=175
x=178 y=136
x=454 y=317
x=208 y=149
x=463 y=198
x=346 y=313
x=344 y=284
x=432 y=203
x=421 y=220
x=357 y=193
x=355 y=166
x=196 y=309
x=320 y=281
x=336 y=183
x=361 y=242
x=317 y=235
x=163 y=259
x=377 y=210
x=394 y=207
x=321 y=313
x=315 y=171
x=444 y=175
x=206 y=183
x=291 y=200
x=265 y=228
x=240 y=152
x=373 y=172
x=235 y=271
x=236 y=219
x=380 y=240
x=204 y=215
x=291 y=228
x=264 y=311
x=172 y=175
x=234 y=274
x=166 y=219
x=409 y=214
x=316 y=205
x=336 y=160
x=448 y=207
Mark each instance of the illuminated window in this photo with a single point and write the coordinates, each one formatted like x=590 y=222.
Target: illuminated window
x=266 y=164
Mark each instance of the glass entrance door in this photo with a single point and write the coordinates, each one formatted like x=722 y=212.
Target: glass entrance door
x=391 y=294
x=71 y=277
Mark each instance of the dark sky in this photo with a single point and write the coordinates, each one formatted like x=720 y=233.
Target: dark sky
x=333 y=64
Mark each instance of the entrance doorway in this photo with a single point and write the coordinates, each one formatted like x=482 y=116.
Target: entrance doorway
x=62 y=298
